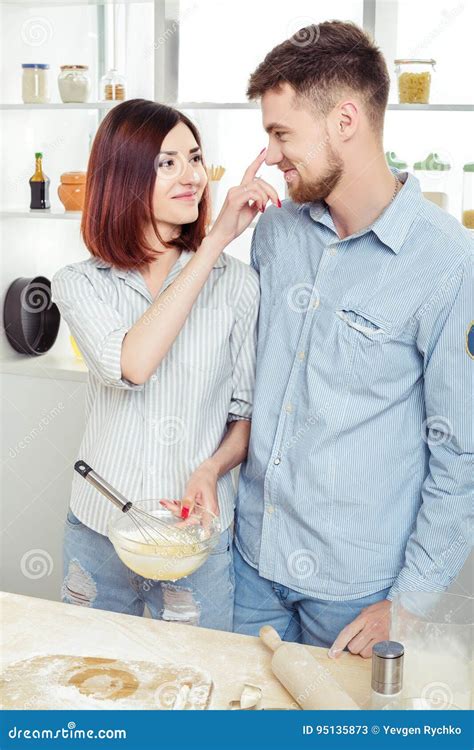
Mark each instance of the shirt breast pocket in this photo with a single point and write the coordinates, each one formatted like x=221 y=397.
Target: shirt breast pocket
x=203 y=346
x=363 y=327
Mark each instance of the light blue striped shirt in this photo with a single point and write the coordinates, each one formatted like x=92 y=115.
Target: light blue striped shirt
x=147 y=439
x=360 y=474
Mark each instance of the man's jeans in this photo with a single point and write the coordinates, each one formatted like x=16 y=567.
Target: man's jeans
x=295 y=616
x=94 y=576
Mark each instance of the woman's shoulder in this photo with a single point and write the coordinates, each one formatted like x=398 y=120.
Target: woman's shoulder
x=79 y=278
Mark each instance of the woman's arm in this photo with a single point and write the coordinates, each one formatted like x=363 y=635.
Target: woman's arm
x=202 y=485
x=232 y=451
x=148 y=341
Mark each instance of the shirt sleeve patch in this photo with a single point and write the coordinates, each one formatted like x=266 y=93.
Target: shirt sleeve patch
x=470 y=339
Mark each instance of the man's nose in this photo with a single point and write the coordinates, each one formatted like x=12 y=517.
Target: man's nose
x=273 y=155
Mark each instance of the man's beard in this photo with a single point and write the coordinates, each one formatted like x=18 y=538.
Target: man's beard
x=320 y=188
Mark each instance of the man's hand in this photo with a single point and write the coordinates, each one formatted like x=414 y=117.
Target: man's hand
x=368 y=628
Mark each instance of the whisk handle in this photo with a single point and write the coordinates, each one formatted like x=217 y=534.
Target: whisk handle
x=82 y=468
x=102 y=486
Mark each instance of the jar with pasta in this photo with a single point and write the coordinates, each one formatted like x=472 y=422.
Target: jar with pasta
x=468 y=196
x=414 y=80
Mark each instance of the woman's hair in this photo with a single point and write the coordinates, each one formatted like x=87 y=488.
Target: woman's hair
x=120 y=182
x=321 y=61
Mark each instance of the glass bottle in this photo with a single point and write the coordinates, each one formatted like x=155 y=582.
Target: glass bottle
x=39 y=185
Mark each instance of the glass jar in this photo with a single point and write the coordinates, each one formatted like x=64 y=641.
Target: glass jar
x=74 y=83
x=414 y=80
x=432 y=173
x=468 y=195
x=35 y=83
x=112 y=86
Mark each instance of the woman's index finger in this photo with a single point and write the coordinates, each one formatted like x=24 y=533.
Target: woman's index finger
x=252 y=170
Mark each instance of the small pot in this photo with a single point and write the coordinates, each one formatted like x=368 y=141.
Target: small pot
x=72 y=190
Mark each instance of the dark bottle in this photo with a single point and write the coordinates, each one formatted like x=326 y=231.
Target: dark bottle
x=39 y=185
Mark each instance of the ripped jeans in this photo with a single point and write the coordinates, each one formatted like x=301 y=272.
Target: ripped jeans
x=94 y=576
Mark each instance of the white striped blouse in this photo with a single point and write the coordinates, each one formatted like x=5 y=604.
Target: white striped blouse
x=147 y=439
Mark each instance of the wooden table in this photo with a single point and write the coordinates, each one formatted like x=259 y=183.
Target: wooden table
x=37 y=627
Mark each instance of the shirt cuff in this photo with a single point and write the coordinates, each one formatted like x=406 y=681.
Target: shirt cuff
x=409 y=581
x=110 y=364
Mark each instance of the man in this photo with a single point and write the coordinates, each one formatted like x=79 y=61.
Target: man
x=359 y=479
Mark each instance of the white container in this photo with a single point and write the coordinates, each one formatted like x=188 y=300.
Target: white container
x=74 y=83
x=35 y=83
x=433 y=176
x=468 y=196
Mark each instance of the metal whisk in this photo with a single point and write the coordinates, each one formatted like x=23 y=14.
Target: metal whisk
x=152 y=529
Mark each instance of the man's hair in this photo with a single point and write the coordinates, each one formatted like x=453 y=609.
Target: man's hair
x=321 y=62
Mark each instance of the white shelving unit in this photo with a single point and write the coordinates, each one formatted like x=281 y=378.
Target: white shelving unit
x=60 y=105
x=165 y=87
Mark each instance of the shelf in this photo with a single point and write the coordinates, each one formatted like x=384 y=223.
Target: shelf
x=431 y=107
x=41 y=214
x=61 y=215
x=61 y=105
x=47 y=365
x=391 y=107
x=229 y=106
x=67 y=3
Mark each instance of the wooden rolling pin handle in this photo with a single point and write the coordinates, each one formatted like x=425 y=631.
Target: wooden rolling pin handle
x=270 y=637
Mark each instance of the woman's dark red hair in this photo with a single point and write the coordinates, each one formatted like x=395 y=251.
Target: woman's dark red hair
x=121 y=176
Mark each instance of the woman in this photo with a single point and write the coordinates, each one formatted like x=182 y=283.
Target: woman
x=166 y=324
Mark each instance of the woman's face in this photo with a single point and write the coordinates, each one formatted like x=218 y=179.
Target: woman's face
x=180 y=178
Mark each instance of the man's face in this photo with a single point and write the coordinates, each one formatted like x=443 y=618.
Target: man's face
x=299 y=144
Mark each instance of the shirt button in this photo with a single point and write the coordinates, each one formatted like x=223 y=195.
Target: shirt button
x=332 y=251
x=277 y=461
x=154 y=378
x=301 y=355
x=270 y=509
x=289 y=408
x=316 y=303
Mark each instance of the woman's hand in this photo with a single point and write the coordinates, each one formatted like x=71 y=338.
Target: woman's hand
x=242 y=204
x=201 y=489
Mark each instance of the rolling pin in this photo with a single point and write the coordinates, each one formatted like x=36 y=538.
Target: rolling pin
x=309 y=682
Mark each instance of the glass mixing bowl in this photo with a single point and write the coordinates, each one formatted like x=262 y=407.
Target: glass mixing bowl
x=190 y=543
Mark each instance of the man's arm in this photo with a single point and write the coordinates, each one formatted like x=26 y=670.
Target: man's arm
x=440 y=541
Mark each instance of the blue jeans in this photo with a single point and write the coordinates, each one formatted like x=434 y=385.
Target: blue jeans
x=295 y=616
x=94 y=576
